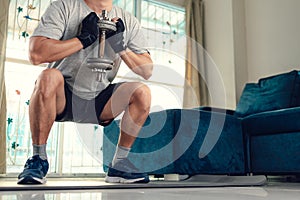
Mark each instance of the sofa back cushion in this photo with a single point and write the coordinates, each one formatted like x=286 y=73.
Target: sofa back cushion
x=271 y=93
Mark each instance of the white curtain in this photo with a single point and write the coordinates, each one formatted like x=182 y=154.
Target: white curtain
x=195 y=90
x=4 y=4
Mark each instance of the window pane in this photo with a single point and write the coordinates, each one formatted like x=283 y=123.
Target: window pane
x=19 y=89
x=164 y=28
x=82 y=149
x=127 y=5
x=65 y=151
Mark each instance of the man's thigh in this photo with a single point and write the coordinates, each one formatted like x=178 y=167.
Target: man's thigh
x=119 y=100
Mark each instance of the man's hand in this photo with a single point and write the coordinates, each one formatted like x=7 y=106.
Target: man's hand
x=89 y=30
x=116 y=38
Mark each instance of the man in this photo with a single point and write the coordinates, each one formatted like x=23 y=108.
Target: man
x=68 y=90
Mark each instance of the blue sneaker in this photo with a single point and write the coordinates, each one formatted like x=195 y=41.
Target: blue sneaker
x=34 y=171
x=125 y=172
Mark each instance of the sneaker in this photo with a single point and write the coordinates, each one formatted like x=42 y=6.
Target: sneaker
x=34 y=171
x=125 y=172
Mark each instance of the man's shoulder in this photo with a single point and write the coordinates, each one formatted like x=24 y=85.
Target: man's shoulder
x=67 y=3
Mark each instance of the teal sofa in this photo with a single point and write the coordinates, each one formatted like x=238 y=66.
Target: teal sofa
x=262 y=136
x=270 y=113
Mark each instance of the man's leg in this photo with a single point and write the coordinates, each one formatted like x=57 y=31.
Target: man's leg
x=47 y=100
x=135 y=100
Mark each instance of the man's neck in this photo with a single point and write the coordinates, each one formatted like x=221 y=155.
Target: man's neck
x=99 y=5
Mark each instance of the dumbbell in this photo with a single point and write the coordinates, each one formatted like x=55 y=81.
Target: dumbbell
x=100 y=64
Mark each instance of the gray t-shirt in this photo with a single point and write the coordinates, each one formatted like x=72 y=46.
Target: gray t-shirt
x=62 y=21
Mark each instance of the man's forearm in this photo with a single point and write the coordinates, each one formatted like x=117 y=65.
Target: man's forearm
x=141 y=64
x=45 y=50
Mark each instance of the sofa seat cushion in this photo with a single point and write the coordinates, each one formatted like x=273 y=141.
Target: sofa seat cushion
x=184 y=141
x=271 y=93
x=208 y=143
x=272 y=122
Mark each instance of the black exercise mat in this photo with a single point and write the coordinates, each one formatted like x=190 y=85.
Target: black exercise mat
x=94 y=183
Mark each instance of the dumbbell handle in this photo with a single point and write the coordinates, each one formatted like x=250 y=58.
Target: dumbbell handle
x=104 y=15
x=102 y=44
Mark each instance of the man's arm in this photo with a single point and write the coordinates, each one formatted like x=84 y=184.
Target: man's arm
x=140 y=64
x=45 y=50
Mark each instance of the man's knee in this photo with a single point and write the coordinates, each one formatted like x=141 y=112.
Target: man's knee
x=49 y=81
x=50 y=75
x=142 y=94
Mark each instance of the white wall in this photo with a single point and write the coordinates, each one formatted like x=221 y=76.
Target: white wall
x=251 y=39
x=273 y=36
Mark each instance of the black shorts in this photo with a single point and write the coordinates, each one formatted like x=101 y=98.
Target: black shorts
x=86 y=111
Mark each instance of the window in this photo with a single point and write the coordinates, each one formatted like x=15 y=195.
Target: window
x=163 y=26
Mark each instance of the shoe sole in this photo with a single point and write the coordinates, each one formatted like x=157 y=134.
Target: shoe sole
x=110 y=179
x=31 y=180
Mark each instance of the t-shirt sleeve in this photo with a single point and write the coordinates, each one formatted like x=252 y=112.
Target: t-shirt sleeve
x=53 y=22
x=137 y=41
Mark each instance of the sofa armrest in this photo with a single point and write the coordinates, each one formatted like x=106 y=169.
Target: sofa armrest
x=272 y=122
